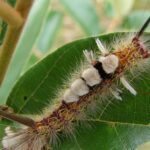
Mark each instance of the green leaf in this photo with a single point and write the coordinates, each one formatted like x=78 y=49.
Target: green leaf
x=108 y=136
x=11 y=2
x=50 y=30
x=118 y=124
x=3 y=124
x=32 y=60
x=24 y=47
x=86 y=15
x=2 y=128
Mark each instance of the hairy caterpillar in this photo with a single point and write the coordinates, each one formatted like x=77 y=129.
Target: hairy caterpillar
x=95 y=80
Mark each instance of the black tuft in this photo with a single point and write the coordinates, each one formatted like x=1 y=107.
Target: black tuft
x=101 y=71
x=90 y=87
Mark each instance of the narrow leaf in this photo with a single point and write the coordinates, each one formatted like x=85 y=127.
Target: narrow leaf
x=24 y=47
x=49 y=32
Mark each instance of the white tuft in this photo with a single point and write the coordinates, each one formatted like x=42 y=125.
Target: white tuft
x=88 y=55
x=91 y=76
x=23 y=140
x=69 y=96
x=109 y=63
x=9 y=131
x=116 y=94
x=127 y=85
x=101 y=47
x=79 y=87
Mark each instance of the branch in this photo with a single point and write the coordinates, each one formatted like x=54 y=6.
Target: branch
x=10 y=15
x=12 y=35
x=21 y=119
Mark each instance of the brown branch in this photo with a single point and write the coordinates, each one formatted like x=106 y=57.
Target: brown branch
x=6 y=109
x=10 y=15
x=21 y=119
x=12 y=35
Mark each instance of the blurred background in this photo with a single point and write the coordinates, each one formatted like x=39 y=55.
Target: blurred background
x=71 y=20
x=68 y=20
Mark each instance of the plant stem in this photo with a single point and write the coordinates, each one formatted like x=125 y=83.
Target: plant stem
x=12 y=35
x=21 y=119
x=10 y=15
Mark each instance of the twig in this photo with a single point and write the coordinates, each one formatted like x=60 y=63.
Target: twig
x=12 y=35
x=10 y=15
x=21 y=119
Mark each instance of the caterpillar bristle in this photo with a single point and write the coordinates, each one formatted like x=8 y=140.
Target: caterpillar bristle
x=80 y=99
x=23 y=140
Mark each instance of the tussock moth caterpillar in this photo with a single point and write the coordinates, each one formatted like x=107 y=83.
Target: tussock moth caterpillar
x=98 y=78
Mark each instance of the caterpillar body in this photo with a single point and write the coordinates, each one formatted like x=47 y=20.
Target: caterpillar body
x=95 y=80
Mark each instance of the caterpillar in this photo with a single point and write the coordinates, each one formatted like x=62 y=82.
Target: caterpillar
x=98 y=78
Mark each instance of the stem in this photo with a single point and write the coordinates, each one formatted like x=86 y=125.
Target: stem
x=143 y=28
x=12 y=35
x=10 y=15
x=21 y=119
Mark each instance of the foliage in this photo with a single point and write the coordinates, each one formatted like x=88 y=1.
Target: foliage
x=32 y=81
